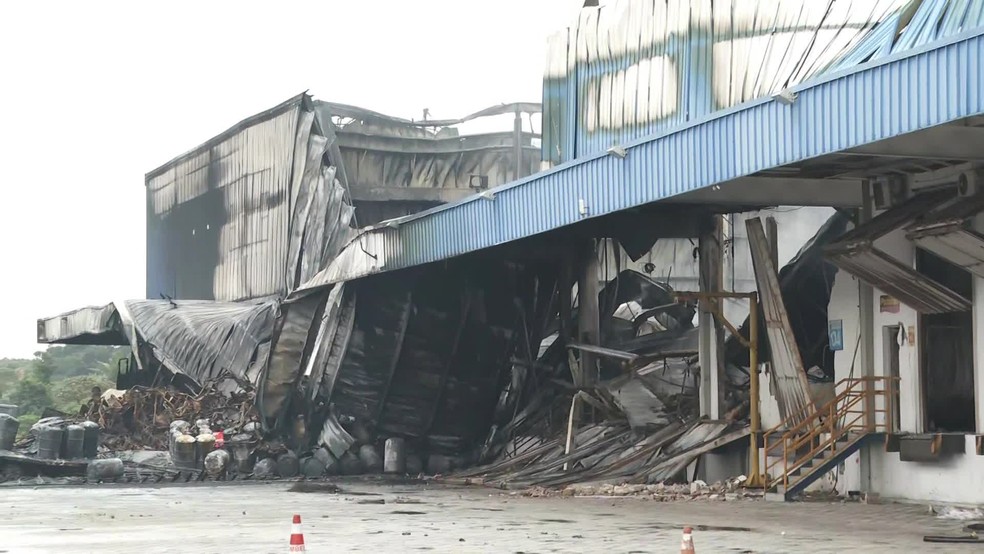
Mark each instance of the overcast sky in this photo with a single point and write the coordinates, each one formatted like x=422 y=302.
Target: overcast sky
x=95 y=94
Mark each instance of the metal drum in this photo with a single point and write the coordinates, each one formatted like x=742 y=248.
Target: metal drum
x=394 y=456
x=8 y=431
x=49 y=442
x=204 y=445
x=90 y=443
x=184 y=452
x=74 y=442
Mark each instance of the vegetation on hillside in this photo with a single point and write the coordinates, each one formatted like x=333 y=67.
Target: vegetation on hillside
x=61 y=377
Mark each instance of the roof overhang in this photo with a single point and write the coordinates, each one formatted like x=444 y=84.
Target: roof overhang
x=875 y=119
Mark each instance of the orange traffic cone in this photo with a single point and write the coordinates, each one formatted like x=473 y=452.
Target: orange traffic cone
x=687 y=546
x=296 y=536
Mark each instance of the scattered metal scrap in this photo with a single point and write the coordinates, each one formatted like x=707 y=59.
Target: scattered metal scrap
x=608 y=453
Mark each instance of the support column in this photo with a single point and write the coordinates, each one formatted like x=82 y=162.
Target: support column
x=589 y=321
x=866 y=321
x=710 y=343
x=978 y=328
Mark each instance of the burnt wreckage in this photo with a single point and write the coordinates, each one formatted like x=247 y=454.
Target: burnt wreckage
x=466 y=358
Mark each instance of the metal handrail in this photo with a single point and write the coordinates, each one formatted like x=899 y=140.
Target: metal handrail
x=835 y=419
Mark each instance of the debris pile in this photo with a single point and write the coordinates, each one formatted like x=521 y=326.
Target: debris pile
x=730 y=490
x=139 y=418
x=606 y=455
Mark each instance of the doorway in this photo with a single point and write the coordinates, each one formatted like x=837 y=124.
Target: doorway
x=947 y=353
x=890 y=344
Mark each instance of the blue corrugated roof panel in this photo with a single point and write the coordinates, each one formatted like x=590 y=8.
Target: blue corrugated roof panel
x=916 y=90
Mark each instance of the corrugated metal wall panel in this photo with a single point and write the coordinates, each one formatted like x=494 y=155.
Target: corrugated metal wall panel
x=636 y=67
x=218 y=217
x=874 y=102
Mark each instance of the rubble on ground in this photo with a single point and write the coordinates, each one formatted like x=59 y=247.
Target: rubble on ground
x=730 y=490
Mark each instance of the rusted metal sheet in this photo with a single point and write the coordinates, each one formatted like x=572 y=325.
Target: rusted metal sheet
x=855 y=253
x=789 y=376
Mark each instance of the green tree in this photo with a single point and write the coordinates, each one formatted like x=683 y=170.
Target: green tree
x=30 y=394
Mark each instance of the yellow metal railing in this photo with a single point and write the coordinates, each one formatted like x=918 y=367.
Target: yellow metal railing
x=803 y=436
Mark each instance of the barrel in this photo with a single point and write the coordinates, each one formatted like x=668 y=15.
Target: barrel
x=74 y=442
x=265 y=469
x=90 y=442
x=184 y=452
x=204 y=445
x=241 y=448
x=370 y=458
x=288 y=465
x=8 y=431
x=312 y=467
x=104 y=470
x=216 y=463
x=49 y=442
x=394 y=456
x=350 y=464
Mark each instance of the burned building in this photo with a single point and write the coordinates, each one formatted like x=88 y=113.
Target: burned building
x=482 y=327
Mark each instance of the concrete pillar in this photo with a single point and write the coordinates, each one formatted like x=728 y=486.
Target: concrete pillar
x=710 y=338
x=867 y=331
x=589 y=322
x=978 y=347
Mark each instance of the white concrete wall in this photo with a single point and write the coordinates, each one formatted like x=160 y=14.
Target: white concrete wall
x=910 y=387
x=954 y=480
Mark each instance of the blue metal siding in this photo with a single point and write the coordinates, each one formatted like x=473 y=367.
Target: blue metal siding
x=636 y=67
x=906 y=93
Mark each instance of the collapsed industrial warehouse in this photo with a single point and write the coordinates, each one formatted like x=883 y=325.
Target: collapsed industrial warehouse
x=331 y=290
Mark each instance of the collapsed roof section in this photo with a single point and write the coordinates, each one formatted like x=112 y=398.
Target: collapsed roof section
x=938 y=221
x=949 y=232
x=395 y=167
x=201 y=341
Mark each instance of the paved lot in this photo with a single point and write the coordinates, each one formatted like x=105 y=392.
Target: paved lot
x=367 y=517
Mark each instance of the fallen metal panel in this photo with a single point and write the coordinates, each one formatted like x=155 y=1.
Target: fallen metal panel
x=949 y=233
x=203 y=339
x=961 y=247
x=90 y=325
x=855 y=253
x=287 y=357
x=904 y=283
x=792 y=388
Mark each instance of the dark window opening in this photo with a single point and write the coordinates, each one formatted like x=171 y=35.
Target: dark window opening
x=947 y=352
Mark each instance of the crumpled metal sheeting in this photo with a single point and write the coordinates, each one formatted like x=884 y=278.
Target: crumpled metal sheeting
x=364 y=374
x=287 y=356
x=89 y=325
x=203 y=339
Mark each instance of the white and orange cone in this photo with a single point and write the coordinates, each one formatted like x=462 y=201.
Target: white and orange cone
x=296 y=536
x=687 y=545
